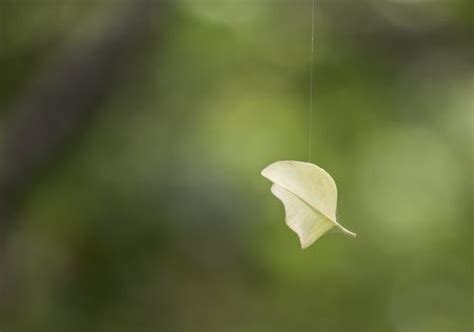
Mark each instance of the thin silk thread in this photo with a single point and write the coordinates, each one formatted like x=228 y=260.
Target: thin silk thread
x=311 y=85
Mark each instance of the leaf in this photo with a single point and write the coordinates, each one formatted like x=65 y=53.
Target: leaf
x=309 y=195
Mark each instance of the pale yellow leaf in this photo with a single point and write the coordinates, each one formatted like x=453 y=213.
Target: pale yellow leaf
x=309 y=195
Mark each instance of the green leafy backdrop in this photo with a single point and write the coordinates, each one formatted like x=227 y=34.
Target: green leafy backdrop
x=150 y=214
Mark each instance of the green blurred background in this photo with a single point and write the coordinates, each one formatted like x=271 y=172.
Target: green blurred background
x=133 y=136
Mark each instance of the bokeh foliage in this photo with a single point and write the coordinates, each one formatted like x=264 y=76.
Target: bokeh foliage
x=155 y=216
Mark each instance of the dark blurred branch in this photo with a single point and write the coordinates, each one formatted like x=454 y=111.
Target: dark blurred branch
x=64 y=95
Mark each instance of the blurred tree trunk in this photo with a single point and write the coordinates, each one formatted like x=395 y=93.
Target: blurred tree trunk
x=62 y=98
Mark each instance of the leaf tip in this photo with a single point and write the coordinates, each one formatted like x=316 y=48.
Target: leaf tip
x=304 y=243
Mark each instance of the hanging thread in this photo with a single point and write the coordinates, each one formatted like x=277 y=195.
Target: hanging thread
x=311 y=84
